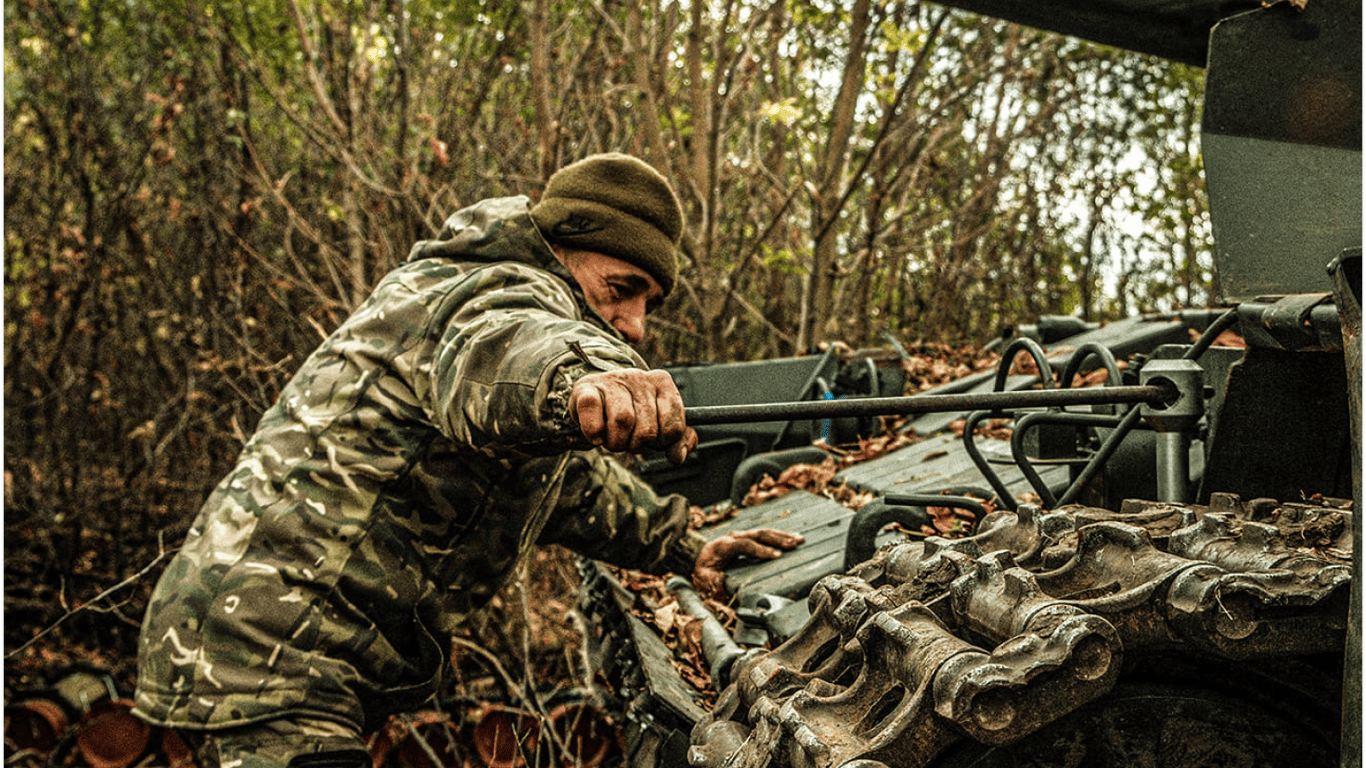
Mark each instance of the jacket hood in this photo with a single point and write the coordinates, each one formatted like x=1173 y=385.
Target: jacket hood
x=493 y=230
x=500 y=229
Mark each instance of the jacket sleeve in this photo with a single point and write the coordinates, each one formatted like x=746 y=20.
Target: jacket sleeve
x=500 y=367
x=607 y=513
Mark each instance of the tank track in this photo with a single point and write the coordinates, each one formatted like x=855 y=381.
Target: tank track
x=1161 y=634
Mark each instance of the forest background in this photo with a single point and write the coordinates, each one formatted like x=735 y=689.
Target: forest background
x=198 y=191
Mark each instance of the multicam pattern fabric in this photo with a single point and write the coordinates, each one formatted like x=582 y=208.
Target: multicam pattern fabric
x=403 y=472
x=296 y=742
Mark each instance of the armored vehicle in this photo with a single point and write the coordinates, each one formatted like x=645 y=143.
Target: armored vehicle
x=1164 y=580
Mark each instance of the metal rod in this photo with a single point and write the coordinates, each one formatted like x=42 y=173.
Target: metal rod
x=1173 y=467
x=718 y=646
x=1098 y=459
x=886 y=406
x=1027 y=422
x=1003 y=493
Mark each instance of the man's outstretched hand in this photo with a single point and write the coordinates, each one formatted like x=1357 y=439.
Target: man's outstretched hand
x=764 y=543
x=632 y=410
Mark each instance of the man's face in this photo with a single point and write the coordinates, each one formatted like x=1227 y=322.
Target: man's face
x=621 y=292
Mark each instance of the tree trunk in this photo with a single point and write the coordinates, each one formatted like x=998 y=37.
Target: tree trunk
x=827 y=202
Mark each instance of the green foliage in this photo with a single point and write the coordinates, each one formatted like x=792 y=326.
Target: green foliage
x=782 y=261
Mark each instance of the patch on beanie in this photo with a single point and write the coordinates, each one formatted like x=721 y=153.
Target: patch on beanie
x=575 y=224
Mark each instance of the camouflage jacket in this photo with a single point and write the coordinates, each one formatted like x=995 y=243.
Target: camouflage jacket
x=390 y=491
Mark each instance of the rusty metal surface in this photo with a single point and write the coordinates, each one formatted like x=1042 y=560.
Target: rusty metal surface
x=990 y=639
x=1346 y=273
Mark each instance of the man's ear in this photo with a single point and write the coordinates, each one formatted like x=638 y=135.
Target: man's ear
x=566 y=256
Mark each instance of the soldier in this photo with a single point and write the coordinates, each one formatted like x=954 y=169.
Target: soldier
x=445 y=428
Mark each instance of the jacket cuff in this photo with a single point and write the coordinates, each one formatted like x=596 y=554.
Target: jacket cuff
x=681 y=556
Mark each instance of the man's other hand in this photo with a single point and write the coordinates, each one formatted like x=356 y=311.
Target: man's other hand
x=764 y=543
x=633 y=410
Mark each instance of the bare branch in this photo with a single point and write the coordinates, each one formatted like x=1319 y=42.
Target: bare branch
x=91 y=605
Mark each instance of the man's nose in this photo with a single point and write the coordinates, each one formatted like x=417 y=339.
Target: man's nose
x=632 y=325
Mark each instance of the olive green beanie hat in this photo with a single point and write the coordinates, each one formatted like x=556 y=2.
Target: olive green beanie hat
x=616 y=205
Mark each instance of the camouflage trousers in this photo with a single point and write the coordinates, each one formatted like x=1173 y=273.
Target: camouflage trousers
x=283 y=743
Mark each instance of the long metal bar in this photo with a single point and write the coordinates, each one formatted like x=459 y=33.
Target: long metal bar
x=719 y=648
x=887 y=406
